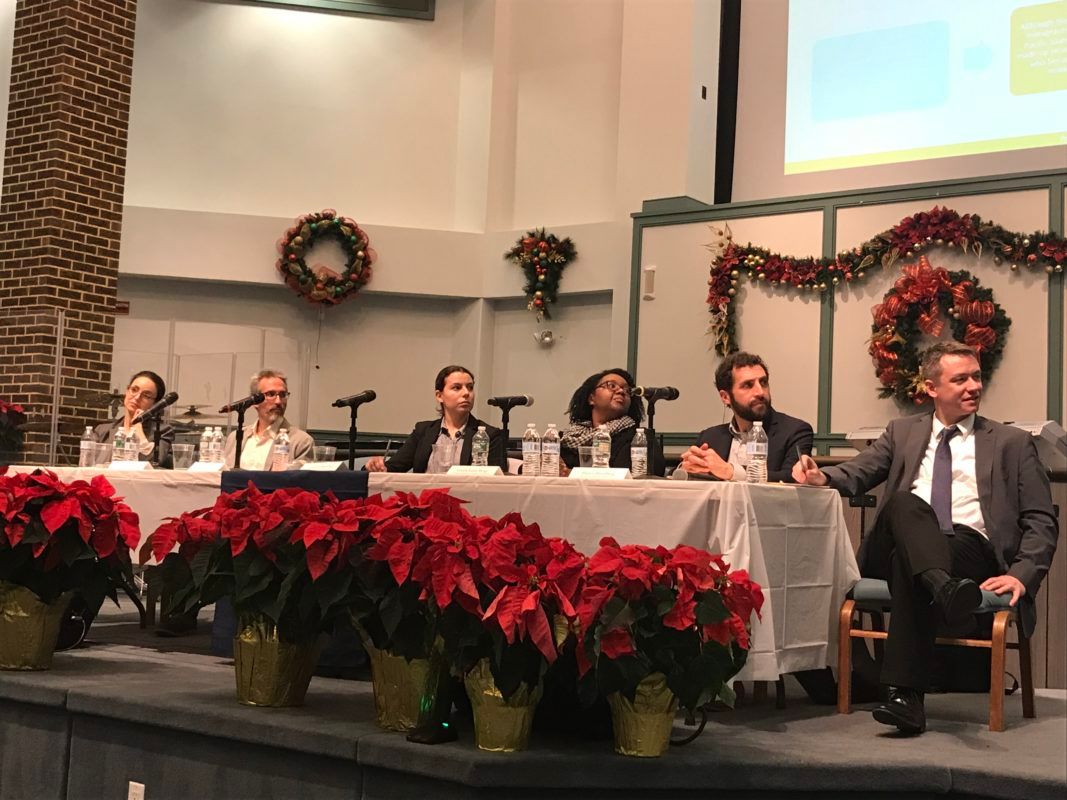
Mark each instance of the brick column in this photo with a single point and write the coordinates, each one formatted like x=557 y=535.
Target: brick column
x=61 y=208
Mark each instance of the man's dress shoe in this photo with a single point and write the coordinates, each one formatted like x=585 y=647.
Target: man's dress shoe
x=958 y=598
x=904 y=709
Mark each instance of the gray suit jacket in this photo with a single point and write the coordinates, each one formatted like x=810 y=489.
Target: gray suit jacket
x=1013 y=490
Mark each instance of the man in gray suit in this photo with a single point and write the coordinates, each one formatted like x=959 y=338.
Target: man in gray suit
x=967 y=507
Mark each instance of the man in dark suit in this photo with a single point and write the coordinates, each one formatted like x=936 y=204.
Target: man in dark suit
x=967 y=507
x=743 y=382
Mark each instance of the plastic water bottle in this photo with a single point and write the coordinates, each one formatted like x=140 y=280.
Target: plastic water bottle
x=757 y=454
x=550 y=452
x=216 y=446
x=281 y=451
x=133 y=447
x=85 y=451
x=639 y=454
x=531 y=451
x=205 y=446
x=602 y=447
x=118 y=445
x=480 y=448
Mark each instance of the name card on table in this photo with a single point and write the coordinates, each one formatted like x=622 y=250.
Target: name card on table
x=129 y=466
x=470 y=469
x=206 y=466
x=323 y=466
x=601 y=474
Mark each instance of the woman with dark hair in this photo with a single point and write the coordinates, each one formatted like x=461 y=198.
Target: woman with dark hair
x=437 y=444
x=144 y=389
x=606 y=398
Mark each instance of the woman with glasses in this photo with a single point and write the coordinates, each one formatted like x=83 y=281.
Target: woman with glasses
x=144 y=389
x=606 y=398
x=437 y=444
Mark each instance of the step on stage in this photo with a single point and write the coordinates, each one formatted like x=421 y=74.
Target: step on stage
x=132 y=707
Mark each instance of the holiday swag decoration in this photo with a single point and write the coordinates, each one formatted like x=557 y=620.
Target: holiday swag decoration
x=320 y=284
x=917 y=304
x=543 y=257
x=939 y=227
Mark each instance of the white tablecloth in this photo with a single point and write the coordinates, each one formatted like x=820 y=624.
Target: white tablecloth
x=792 y=540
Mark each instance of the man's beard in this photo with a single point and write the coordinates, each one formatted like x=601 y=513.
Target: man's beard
x=746 y=413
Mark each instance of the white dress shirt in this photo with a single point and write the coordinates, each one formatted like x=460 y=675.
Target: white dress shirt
x=257 y=446
x=966 y=509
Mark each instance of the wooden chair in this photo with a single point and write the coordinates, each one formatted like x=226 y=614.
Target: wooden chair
x=872 y=596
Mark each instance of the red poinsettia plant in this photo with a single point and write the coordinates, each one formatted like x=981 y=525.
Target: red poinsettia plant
x=680 y=612
x=277 y=555
x=57 y=537
x=513 y=591
x=388 y=604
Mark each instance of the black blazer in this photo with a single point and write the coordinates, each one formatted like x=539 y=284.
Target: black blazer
x=414 y=453
x=105 y=433
x=784 y=435
x=620 y=452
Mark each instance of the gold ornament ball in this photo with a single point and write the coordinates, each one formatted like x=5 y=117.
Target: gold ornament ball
x=734 y=273
x=733 y=283
x=1048 y=269
x=1058 y=268
x=1014 y=267
x=731 y=292
x=538 y=294
x=859 y=275
x=836 y=280
x=940 y=242
x=761 y=276
x=1026 y=242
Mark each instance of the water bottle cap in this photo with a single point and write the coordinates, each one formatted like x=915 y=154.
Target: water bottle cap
x=551 y=424
x=758 y=423
x=481 y=428
x=528 y=425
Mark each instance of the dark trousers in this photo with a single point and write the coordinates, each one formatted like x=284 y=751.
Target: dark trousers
x=906 y=541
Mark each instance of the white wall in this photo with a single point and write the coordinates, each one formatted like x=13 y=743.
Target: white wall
x=445 y=140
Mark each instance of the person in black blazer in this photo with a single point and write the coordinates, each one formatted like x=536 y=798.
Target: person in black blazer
x=454 y=390
x=743 y=382
x=607 y=398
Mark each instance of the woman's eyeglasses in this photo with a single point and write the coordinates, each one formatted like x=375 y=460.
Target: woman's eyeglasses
x=611 y=386
x=144 y=394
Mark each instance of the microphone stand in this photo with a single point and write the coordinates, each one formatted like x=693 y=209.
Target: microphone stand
x=654 y=469
x=240 y=437
x=505 y=414
x=156 y=433
x=352 y=438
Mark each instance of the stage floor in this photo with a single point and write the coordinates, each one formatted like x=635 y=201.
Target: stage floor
x=136 y=707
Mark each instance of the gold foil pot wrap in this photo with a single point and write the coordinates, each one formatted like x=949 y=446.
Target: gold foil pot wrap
x=28 y=627
x=271 y=672
x=501 y=726
x=561 y=629
x=399 y=687
x=643 y=727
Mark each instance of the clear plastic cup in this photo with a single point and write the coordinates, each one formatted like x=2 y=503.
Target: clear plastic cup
x=585 y=456
x=323 y=452
x=184 y=455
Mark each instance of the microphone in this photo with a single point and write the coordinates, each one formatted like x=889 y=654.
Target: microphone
x=168 y=399
x=243 y=403
x=653 y=393
x=508 y=401
x=356 y=399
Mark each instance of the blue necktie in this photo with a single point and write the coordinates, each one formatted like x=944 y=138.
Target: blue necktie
x=941 y=486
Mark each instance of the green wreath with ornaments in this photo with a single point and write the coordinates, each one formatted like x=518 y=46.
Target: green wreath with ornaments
x=320 y=284
x=543 y=257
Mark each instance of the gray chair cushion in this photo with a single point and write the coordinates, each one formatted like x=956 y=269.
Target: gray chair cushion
x=871 y=593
